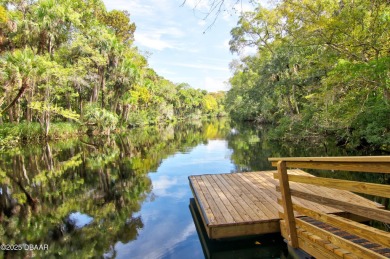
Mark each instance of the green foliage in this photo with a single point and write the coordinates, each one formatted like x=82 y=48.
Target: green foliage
x=55 y=110
x=119 y=21
x=102 y=119
x=8 y=141
x=209 y=104
x=22 y=131
x=321 y=67
x=138 y=118
x=11 y=135
x=61 y=130
x=372 y=125
x=3 y=15
x=72 y=60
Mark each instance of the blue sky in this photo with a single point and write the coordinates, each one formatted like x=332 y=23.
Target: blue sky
x=177 y=42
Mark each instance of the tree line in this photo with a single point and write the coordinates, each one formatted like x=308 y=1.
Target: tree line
x=320 y=67
x=72 y=60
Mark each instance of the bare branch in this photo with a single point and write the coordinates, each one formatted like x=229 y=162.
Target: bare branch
x=216 y=7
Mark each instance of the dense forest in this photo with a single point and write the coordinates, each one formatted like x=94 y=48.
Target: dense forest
x=71 y=64
x=320 y=68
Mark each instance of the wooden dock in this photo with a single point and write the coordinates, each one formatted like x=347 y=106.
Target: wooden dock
x=330 y=236
x=244 y=204
x=268 y=245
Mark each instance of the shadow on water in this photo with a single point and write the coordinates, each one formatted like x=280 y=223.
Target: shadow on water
x=264 y=246
x=124 y=195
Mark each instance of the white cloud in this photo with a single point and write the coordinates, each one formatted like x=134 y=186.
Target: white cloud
x=162 y=234
x=202 y=22
x=216 y=145
x=214 y=84
x=169 y=31
x=201 y=5
x=160 y=38
x=243 y=7
x=162 y=184
x=248 y=51
x=224 y=45
x=227 y=16
x=152 y=41
x=181 y=51
x=165 y=71
x=198 y=66
x=134 y=7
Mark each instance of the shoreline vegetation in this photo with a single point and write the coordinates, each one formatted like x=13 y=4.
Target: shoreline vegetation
x=70 y=68
x=13 y=135
x=320 y=68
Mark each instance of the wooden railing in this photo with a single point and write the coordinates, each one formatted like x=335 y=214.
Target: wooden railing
x=294 y=226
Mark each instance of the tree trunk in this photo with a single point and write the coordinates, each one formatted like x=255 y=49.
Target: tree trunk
x=295 y=100
x=386 y=94
x=46 y=112
x=42 y=42
x=290 y=107
x=28 y=113
x=126 y=116
x=11 y=115
x=46 y=118
x=102 y=85
x=24 y=87
x=17 y=112
x=28 y=109
x=95 y=93
x=80 y=101
x=69 y=105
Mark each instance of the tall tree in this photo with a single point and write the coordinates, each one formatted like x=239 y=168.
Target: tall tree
x=119 y=21
x=19 y=72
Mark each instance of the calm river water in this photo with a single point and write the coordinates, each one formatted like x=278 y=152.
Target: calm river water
x=128 y=196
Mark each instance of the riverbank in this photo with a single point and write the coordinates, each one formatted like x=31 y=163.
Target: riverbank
x=130 y=190
x=292 y=133
x=13 y=135
x=23 y=133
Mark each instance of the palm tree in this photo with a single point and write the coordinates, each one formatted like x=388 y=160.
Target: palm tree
x=54 y=19
x=125 y=76
x=19 y=69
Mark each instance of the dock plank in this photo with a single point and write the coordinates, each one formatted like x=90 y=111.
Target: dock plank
x=242 y=214
x=257 y=191
x=242 y=199
x=239 y=204
x=227 y=199
x=254 y=199
x=223 y=211
x=205 y=208
x=218 y=216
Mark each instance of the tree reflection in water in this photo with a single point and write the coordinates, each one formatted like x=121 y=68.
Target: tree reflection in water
x=83 y=196
x=44 y=189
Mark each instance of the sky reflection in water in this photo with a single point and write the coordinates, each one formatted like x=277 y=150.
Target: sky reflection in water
x=169 y=231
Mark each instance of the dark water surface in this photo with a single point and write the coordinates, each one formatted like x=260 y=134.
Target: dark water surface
x=128 y=196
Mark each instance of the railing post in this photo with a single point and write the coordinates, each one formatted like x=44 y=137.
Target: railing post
x=287 y=204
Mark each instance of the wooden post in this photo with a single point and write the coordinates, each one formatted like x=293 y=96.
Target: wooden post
x=287 y=204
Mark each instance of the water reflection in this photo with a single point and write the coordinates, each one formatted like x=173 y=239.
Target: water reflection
x=80 y=220
x=169 y=230
x=125 y=196
x=84 y=197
